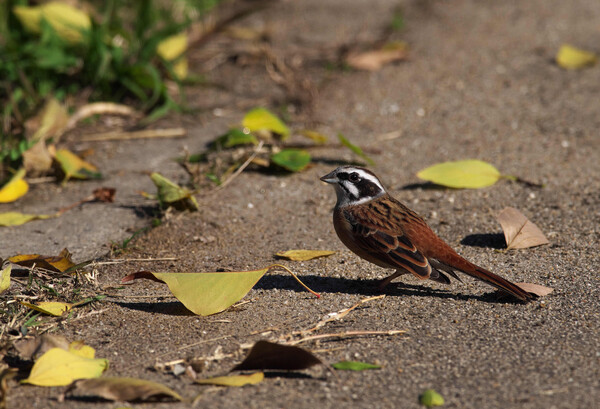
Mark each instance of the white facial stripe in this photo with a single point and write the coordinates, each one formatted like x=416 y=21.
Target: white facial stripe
x=369 y=177
x=349 y=186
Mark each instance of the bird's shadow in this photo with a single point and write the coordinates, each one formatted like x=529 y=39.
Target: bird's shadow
x=369 y=287
x=488 y=240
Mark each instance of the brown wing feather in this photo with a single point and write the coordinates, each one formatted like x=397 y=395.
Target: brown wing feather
x=384 y=238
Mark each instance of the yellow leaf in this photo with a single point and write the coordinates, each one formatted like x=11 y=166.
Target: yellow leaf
x=180 y=69
x=68 y=21
x=58 y=367
x=75 y=167
x=81 y=349
x=573 y=58
x=17 y=219
x=208 y=293
x=124 y=389
x=471 y=174
x=261 y=119
x=172 y=47
x=233 y=380
x=60 y=263
x=15 y=188
x=5 y=279
x=52 y=119
x=375 y=59
x=54 y=308
x=303 y=255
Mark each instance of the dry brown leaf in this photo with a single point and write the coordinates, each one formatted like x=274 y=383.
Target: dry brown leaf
x=536 y=289
x=34 y=347
x=59 y=263
x=37 y=159
x=123 y=389
x=269 y=355
x=519 y=232
x=375 y=59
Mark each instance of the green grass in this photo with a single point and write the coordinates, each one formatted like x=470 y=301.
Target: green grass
x=116 y=61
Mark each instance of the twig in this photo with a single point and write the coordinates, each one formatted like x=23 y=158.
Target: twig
x=346 y=334
x=335 y=316
x=99 y=108
x=241 y=168
x=144 y=134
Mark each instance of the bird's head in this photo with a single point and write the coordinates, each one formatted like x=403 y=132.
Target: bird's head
x=354 y=185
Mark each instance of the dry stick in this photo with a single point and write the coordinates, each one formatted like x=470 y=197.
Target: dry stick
x=346 y=334
x=144 y=134
x=241 y=168
x=340 y=314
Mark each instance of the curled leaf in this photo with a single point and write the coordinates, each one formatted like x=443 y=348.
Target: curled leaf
x=170 y=193
x=60 y=263
x=18 y=218
x=431 y=398
x=303 y=255
x=261 y=120
x=58 y=367
x=354 y=366
x=123 y=389
x=293 y=160
x=470 y=174
x=233 y=380
x=269 y=355
x=572 y=58
x=15 y=188
x=75 y=167
x=519 y=232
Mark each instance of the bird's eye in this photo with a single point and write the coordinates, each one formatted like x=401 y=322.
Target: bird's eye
x=353 y=177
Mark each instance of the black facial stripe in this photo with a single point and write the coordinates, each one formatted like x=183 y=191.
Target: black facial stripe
x=366 y=188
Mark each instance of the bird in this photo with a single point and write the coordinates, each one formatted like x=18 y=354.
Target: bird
x=382 y=230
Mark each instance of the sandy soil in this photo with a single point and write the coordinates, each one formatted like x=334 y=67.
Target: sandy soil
x=480 y=83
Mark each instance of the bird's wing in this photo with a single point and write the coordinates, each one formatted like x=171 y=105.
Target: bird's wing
x=387 y=242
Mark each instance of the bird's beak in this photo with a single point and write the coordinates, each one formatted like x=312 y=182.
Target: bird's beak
x=330 y=178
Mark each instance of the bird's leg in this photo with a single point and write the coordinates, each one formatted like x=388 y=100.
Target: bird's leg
x=383 y=283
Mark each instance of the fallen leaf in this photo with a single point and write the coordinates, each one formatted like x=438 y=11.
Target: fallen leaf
x=375 y=59
x=234 y=137
x=15 y=188
x=536 y=289
x=519 y=232
x=354 y=366
x=60 y=263
x=54 y=308
x=269 y=355
x=75 y=167
x=293 y=160
x=5 y=278
x=573 y=58
x=104 y=194
x=172 y=49
x=431 y=398
x=34 y=347
x=17 y=218
x=37 y=159
x=58 y=367
x=233 y=380
x=314 y=136
x=303 y=255
x=68 y=21
x=170 y=193
x=261 y=120
x=470 y=174
x=50 y=122
x=123 y=389
x=357 y=150
x=209 y=293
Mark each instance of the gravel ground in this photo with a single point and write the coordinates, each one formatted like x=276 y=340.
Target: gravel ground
x=480 y=83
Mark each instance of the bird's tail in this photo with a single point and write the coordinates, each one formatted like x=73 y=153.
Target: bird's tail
x=499 y=282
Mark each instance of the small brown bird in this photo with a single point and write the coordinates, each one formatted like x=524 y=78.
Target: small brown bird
x=382 y=230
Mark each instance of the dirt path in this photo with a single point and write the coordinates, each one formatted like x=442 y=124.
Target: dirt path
x=480 y=83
